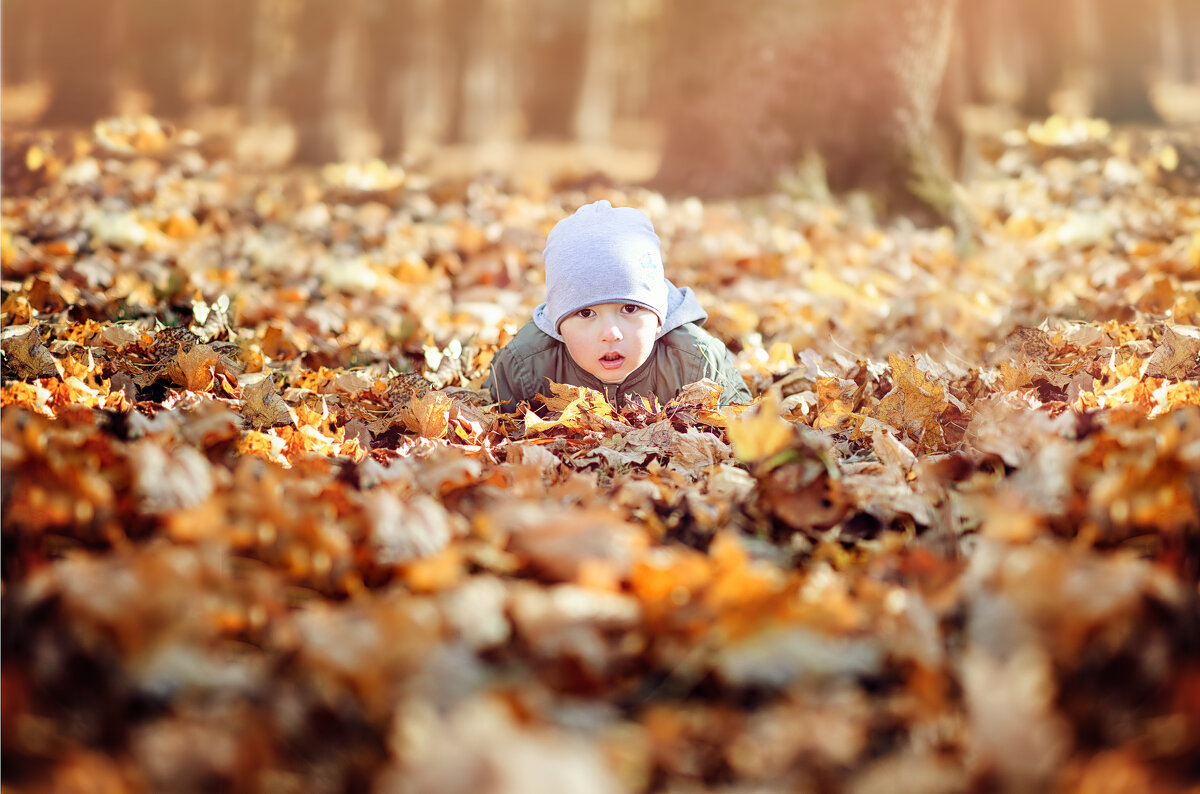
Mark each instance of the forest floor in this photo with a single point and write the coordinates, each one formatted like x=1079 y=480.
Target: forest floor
x=262 y=531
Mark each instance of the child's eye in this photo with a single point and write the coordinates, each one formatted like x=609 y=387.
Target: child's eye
x=631 y=308
x=585 y=313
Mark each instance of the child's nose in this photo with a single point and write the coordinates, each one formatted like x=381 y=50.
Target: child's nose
x=612 y=332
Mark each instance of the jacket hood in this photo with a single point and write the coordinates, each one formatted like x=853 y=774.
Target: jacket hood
x=682 y=308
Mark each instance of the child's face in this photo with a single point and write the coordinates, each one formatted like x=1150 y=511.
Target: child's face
x=610 y=340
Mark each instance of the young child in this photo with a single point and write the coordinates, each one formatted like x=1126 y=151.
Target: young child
x=611 y=321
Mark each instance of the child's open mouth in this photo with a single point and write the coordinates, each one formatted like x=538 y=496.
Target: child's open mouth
x=612 y=360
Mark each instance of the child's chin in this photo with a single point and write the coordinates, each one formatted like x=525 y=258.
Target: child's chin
x=611 y=376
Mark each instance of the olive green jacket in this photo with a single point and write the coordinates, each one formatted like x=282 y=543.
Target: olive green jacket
x=683 y=355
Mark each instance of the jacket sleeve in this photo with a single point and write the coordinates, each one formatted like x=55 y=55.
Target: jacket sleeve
x=719 y=367
x=501 y=382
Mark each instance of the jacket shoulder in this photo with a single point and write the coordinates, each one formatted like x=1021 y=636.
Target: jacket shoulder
x=707 y=357
x=518 y=369
x=690 y=337
x=529 y=341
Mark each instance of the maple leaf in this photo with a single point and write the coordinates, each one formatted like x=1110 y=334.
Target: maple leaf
x=915 y=403
x=835 y=403
x=263 y=407
x=27 y=356
x=427 y=414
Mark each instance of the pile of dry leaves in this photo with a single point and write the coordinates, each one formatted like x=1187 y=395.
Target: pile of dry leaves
x=262 y=531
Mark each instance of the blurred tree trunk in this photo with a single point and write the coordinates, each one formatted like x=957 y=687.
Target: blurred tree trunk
x=391 y=40
x=21 y=39
x=1130 y=41
x=227 y=36
x=267 y=60
x=166 y=51
x=857 y=82
x=325 y=89
x=552 y=65
x=488 y=110
x=81 y=50
x=430 y=78
x=596 y=101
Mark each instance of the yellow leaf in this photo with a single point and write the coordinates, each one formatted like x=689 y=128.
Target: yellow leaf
x=834 y=401
x=1168 y=158
x=760 y=433
x=428 y=415
x=536 y=424
x=579 y=408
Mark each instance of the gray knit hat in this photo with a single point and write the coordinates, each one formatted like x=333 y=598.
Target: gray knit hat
x=603 y=254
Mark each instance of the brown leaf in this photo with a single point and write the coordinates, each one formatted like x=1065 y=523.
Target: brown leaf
x=400 y=532
x=27 y=356
x=690 y=451
x=262 y=407
x=427 y=415
x=556 y=542
x=1178 y=356
x=169 y=481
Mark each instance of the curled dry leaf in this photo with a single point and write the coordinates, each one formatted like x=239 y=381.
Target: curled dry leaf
x=194 y=368
x=263 y=407
x=559 y=543
x=167 y=481
x=1178 y=355
x=25 y=354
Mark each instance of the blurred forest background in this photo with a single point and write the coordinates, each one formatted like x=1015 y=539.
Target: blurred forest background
x=723 y=96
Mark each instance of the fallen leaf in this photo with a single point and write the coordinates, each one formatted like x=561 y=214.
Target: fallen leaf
x=263 y=407
x=1178 y=355
x=26 y=355
x=915 y=403
x=760 y=433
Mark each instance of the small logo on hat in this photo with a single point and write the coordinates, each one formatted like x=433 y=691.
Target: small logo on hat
x=648 y=261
